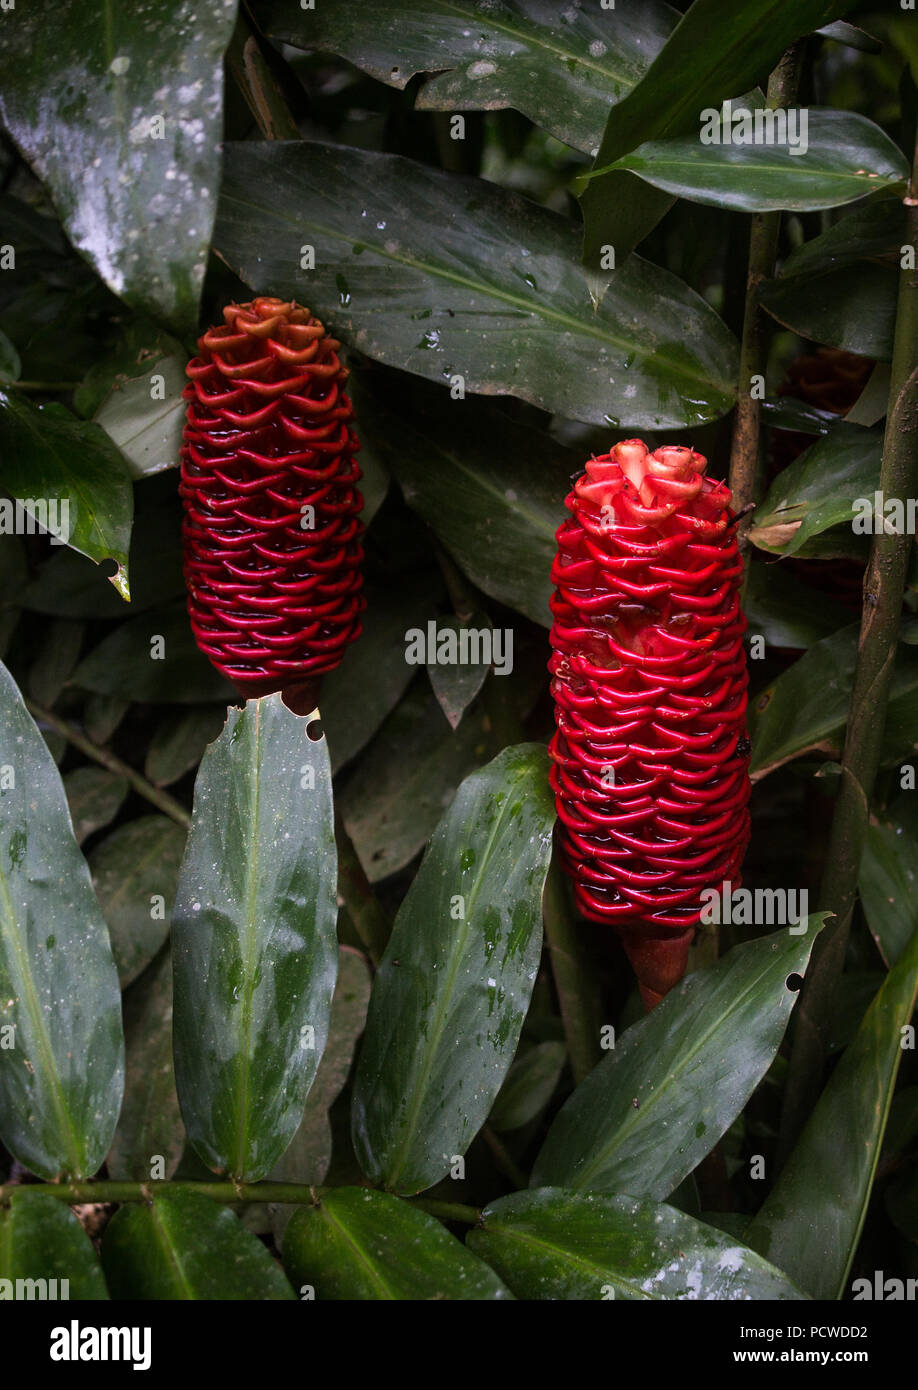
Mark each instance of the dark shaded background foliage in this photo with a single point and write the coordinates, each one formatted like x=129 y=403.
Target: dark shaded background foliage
x=447 y=533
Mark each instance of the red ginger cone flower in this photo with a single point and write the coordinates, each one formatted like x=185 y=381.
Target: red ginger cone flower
x=650 y=756
x=271 y=534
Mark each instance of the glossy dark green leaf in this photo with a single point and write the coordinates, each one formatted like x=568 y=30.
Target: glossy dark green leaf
x=358 y=1244
x=812 y=1219
x=153 y=657
x=143 y=414
x=308 y=1157
x=720 y=49
x=49 y=456
x=253 y=938
x=179 y=742
x=447 y=276
x=102 y=715
x=95 y=796
x=561 y=67
x=134 y=872
x=374 y=674
x=852 y=308
x=806 y=708
x=43 y=1244
x=489 y=486
x=676 y=1080
x=140 y=101
x=529 y=1086
x=845 y=157
x=552 y=1244
x=787 y=613
x=67 y=585
x=888 y=885
x=185 y=1246
x=875 y=229
x=451 y=994
x=393 y=796
x=61 y=1079
x=150 y=1137
x=819 y=489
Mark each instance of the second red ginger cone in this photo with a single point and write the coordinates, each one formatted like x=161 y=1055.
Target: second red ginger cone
x=650 y=755
x=271 y=534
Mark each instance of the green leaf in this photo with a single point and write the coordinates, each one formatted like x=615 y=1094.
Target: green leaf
x=179 y=742
x=50 y=457
x=358 y=1244
x=888 y=885
x=94 y=796
x=57 y=656
x=819 y=489
x=141 y=105
x=874 y=229
x=61 y=1081
x=812 y=1219
x=185 y=1246
x=10 y=365
x=144 y=412
x=676 y=1080
x=393 y=796
x=150 y=1137
x=457 y=683
x=785 y=612
x=806 y=708
x=530 y=1085
x=309 y=1155
x=374 y=674
x=851 y=37
x=719 y=49
x=68 y=585
x=562 y=69
x=852 y=308
x=446 y=276
x=134 y=663
x=845 y=156
x=253 y=938
x=490 y=487
x=134 y=872
x=43 y=1243
x=552 y=1244
x=453 y=988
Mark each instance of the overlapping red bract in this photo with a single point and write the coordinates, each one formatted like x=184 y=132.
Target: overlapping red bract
x=649 y=681
x=273 y=603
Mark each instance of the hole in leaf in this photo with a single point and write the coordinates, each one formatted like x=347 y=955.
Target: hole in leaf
x=794 y=983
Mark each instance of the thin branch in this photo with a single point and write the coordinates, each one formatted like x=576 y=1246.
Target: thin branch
x=105 y=758
x=884 y=586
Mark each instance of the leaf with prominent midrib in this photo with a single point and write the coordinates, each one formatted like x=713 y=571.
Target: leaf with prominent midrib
x=447 y=277
x=454 y=985
x=185 y=1246
x=42 y=1240
x=813 y=1217
x=253 y=938
x=676 y=1080
x=844 y=157
x=61 y=1080
x=720 y=49
x=553 y=1244
x=359 y=1244
x=563 y=67
x=121 y=117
